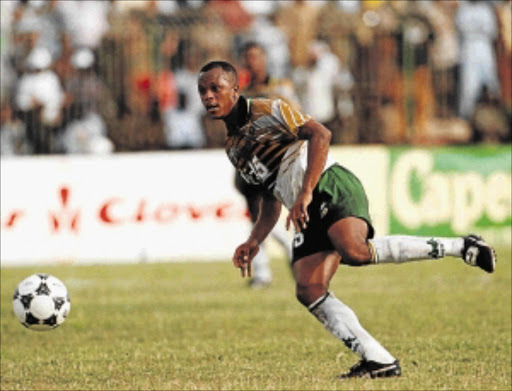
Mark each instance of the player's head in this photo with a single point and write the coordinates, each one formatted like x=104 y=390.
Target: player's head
x=254 y=58
x=218 y=88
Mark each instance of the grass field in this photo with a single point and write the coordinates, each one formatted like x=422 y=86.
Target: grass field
x=197 y=326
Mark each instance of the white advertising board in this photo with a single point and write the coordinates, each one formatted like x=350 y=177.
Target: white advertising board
x=120 y=208
x=371 y=165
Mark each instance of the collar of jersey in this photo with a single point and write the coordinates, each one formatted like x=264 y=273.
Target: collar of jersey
x=243 y=112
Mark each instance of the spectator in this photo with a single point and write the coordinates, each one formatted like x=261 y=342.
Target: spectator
x=489 y=122
x=504 y=54
x=324 y=83
x=413 y=92
x=349 y=6
x=86 y=21
x=7 y=74
x=232 y=13
x=259 y=8
x=25 y=33
x=298 y=20
x=12 y=134
x=265 y=31
x=336 y=24
x=164 y=84
x=262 y=84
x=86 y=130
x=234 y=17
x=40 y=98
x=274 y=42
x=125 y=7
x=210 y=34
x=139 y=62
x=86 y=135
x=183 y=128
x=377 y=72
x=183 y=124
x=445 y=56
x=50 y=26
x=478 y=30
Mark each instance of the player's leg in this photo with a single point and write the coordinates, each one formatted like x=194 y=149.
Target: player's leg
x=261 y=271
x=315 y=261
x=281 y=236
x=346 y=213
x=347 y=237
x=313 y=274
x=398 y=249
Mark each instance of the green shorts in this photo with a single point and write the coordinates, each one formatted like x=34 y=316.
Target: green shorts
x=338 y=194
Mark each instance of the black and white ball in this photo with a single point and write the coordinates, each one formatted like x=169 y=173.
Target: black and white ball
x=41 y=302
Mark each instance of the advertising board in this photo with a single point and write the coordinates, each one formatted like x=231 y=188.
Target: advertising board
x=182 y=206
x=120 y=208
x=451 y=191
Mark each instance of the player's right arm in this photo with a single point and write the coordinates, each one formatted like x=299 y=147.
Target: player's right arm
x=270 y=210
x=319 y=138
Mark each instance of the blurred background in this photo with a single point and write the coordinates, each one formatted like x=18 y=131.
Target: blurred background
x=107 y=152
x=110 y=76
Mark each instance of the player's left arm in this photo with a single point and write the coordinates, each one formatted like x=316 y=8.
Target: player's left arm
x=319 y=138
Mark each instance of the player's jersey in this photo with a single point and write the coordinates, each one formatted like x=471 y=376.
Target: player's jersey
x=266 y=149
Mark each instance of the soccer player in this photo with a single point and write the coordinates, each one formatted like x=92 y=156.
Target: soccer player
x=262 y=85
x=276 y=146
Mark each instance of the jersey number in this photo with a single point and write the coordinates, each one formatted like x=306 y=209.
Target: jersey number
x=256 y=172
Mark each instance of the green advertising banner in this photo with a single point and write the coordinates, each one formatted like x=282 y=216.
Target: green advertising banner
x=451 y=191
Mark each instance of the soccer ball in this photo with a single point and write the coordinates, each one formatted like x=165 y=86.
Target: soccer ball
x=41 y=302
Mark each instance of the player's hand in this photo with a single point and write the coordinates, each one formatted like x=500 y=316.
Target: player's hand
x=298 y=215
x=244 y=254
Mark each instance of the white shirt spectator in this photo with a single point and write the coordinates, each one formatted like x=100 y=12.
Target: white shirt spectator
x=40 y=86
x=349 y=6
x=184 y=129
x=478 y=29
x=258 y=7
x=186 y=81
x=317 y=84
x=87 y=136
x=183 y=126
x=6 y=75
x=275 y=43
x=167 y=7
x=85 y=21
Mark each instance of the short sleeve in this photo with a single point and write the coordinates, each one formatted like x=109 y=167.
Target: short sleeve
x=291 y=118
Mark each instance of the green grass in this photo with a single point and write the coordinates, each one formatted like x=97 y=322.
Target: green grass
x=197 y=326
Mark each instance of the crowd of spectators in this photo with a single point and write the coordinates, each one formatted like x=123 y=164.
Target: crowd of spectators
x=102 y=76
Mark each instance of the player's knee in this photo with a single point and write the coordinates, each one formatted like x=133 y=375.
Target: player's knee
x=356 y=255
x=308 y=294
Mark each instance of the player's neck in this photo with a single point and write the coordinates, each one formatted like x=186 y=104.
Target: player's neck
x=238 y=116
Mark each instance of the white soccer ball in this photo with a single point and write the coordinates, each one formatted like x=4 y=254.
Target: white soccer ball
x=41 y=302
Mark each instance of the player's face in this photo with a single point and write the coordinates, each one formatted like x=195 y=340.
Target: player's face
x=218 y=91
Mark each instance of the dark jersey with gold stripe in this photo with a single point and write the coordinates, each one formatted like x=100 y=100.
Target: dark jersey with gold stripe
x=266 y=149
